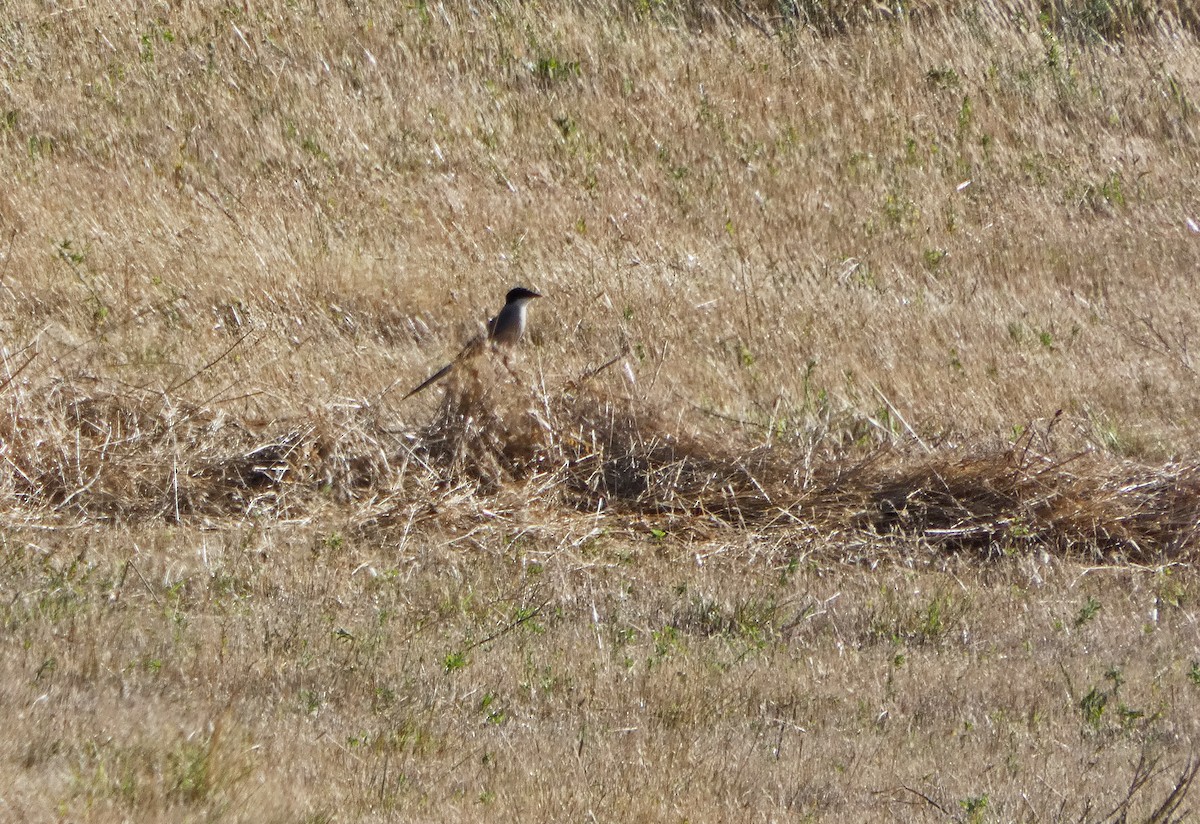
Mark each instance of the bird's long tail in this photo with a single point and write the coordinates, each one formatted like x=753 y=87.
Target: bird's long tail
x=432 y=379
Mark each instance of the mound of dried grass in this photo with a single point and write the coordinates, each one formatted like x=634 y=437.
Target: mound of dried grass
x=1015 y=498
x=595 y=452
x=101 y=455
x=98 y=454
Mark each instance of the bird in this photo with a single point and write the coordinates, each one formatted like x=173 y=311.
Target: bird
x=503 y=331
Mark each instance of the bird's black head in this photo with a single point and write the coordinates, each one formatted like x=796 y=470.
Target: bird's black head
x=520 y=293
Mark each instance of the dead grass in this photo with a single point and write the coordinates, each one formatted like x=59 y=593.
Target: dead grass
x=122 y=459
x=850 y=471
x=540 y=666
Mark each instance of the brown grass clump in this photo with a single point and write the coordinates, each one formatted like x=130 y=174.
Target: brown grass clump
x=988 y=501
x=134 y=456
x=1011 y=499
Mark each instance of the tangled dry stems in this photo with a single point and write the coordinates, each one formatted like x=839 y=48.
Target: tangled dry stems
x=96 y=454
x=1111 y=21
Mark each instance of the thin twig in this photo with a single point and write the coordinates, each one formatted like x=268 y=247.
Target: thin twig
x=145 y=583
x=591 y=373
x=896 y=414
x=509 y=627
x=926 y=799
x=20 y=369
x=179 y=384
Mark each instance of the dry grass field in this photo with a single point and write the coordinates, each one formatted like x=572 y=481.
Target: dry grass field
x=850 y=471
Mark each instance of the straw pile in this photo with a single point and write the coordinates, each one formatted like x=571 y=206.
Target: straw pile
x=97 y=455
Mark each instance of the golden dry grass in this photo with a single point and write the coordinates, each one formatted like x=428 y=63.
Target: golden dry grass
x=850 y=471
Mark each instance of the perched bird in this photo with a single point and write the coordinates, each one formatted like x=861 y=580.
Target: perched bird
x=504 y=330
